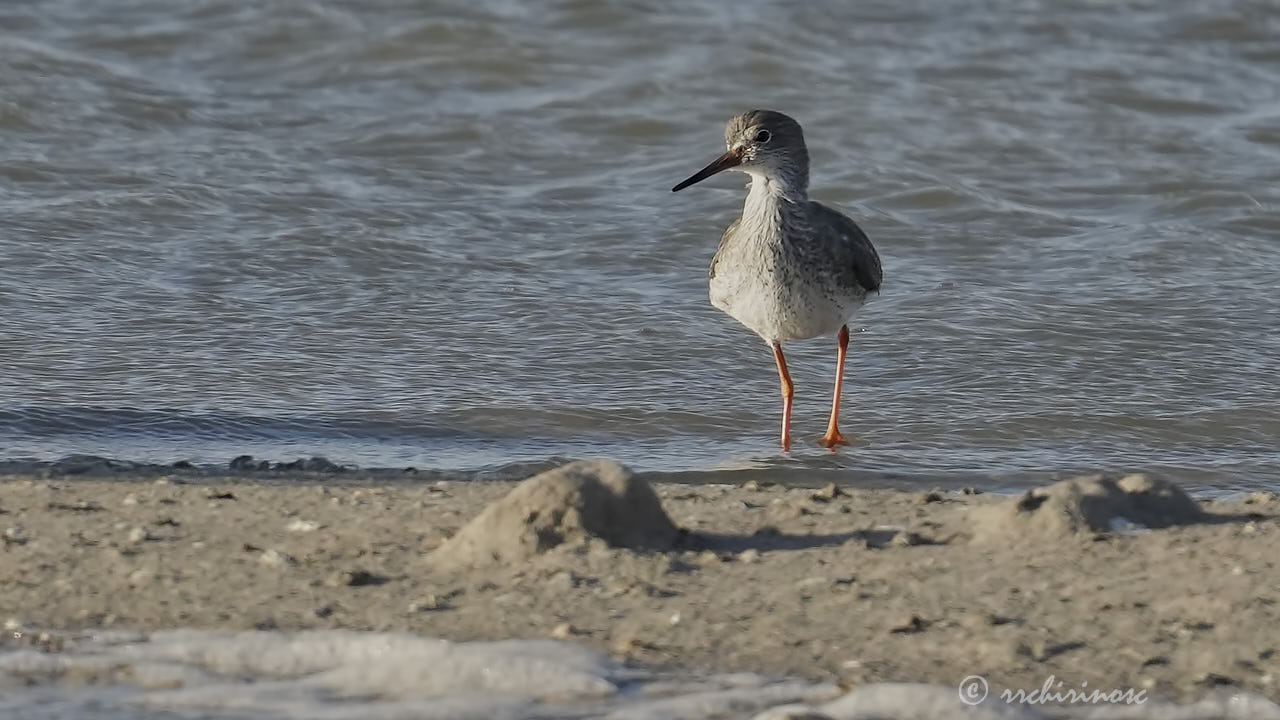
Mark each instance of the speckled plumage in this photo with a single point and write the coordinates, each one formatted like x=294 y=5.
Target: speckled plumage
x=790 y=268
x=793 y=272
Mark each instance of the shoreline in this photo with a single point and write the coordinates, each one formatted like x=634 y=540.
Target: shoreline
x=320 y=469
x=851 y=586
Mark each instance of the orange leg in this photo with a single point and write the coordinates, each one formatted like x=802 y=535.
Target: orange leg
x=833 y=436
x=788 y=390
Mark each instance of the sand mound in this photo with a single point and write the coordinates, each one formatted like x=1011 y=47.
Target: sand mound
x=1086 y=506
x=583 y=499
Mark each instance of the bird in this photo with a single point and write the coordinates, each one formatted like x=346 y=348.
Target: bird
x=789 y=268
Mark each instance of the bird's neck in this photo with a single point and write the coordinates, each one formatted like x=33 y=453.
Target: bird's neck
x=769 y=202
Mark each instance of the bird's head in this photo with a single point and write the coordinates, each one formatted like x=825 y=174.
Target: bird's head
x=764 y=144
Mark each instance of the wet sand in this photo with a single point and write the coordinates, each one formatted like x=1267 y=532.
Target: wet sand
x=852 y=586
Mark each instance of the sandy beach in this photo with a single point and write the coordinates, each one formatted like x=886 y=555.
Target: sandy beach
x=850 y=586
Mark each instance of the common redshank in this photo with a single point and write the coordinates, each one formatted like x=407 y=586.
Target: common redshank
x=790 y=268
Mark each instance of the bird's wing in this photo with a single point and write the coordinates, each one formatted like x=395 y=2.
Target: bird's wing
x=854 y=255
x=728 y=232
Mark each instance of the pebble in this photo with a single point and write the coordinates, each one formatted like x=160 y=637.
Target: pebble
x=275 y=558
x=828 y=493
x=138 y=535
x=563 y=580
x=628 y=644
x=427 y=603
x=907 y=539
x=913 y=624
x=15 y=535
x=356 y=578
x=748 y=556
x=751 y=486
x=130 y=499
x=300 y=525
x=563 y=631
x=141 y=576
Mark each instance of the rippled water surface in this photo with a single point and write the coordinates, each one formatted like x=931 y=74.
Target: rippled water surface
x=441 y=234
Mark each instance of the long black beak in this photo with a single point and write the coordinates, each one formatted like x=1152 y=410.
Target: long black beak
x=724 y=162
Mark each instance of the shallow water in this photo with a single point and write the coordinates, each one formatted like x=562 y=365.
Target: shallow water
x=441 y=234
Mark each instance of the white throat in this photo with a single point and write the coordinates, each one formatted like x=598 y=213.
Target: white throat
x=769 y=189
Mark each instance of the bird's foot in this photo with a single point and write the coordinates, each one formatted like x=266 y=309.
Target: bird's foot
x=832 y=439
x=786 y=443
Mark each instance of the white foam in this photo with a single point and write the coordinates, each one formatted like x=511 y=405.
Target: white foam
x=341 y=675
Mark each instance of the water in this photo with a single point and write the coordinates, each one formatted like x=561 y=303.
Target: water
x=441 y=234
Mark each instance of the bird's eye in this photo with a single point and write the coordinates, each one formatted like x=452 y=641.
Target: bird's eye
x=764 y=136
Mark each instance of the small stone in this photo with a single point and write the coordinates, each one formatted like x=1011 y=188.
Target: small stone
x=427 y=603
x=828 y=493
x=1136 y=483
x=914 y=624
x=275 y=558
x=355 y=578
x=751 y=486
x=15 y=535
x=300 y=525
x=563 y=631
x=13 y=624
x=628 y=644
x=902 y=538
x=563 y=580
x=138 y=535
x=932 y=496
x=50 y=643
x=141 y=576
x=243 y=462
x=971 y=491
x=675 y=619
x=1213 y=679
x=750 y=555
x=130 y=499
